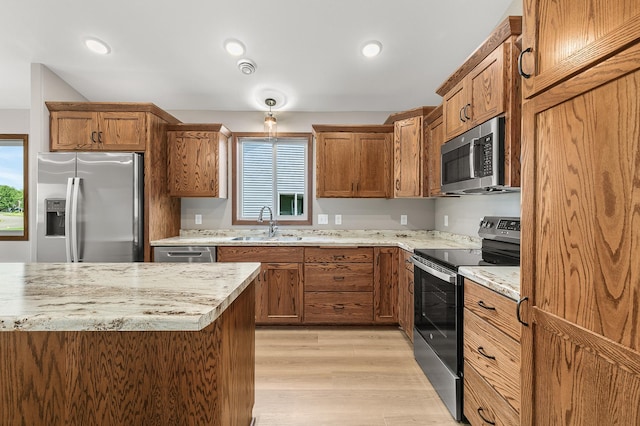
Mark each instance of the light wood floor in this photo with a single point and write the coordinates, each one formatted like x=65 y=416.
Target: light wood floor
x=341 y=376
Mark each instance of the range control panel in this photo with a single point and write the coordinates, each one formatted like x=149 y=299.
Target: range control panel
x=500 y=228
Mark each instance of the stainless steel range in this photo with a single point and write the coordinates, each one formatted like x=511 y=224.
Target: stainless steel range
x=438 y=304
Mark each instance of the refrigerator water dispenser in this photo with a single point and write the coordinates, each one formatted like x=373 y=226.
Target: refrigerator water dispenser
x=55 y=211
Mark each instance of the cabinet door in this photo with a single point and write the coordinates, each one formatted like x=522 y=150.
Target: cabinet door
x=580 y=269
x=279 y=294
x=567 y=36
x=435 y=140
x=374 y=165
x=455 y=105
x=335 y=168
x=407 y=158
x=122 y=131
x=485 y=85
x=385 y=285
x=193 y=164
x=71 y=130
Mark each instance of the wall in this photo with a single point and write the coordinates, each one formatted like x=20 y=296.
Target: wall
x=356 y=213
x=14 y=121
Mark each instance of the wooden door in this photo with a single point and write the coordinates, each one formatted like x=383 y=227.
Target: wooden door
x=567 y=36
x=336 y=170
x=486 y=88
x=435 y=139
x=122 y=131
x=73 y=130
x=193 y=159
x=279 y=294
x=581 y=245
x=455 y=105
x=385 y=285
x=373 y=163
x=407 y=158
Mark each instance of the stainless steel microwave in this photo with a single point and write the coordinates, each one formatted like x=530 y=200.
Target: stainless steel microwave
x=473 y=163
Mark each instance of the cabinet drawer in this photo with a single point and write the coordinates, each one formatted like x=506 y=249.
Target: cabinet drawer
x=492 y=307
x=338 y=307
x=338 y=277
x=494 y=355
x=347 y=254
x=260 y=254
x=481 y=402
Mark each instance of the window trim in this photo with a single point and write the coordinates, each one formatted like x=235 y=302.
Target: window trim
x=235 y=170
x=25 y=191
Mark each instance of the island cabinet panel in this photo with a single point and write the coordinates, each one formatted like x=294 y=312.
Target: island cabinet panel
x=279 y=287
x=131 y=377
x=385 y=285
x=565 y=37
x=491 y=357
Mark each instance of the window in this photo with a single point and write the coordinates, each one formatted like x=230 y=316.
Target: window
x=14 y=217
x=273 y=173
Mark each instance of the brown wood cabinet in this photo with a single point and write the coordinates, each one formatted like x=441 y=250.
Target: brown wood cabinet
x=385 y=285
x=97 y=130
x=485 y=86
x=491 y=357
x=433 y=140
x=580 y=203
x=279 y=286
x=407 y=158
x=353 y=161
x=340 y=285
x=405 y=293
x=125 y=127
x=197 y=160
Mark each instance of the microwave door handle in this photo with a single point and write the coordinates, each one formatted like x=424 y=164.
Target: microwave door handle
x=472 y=158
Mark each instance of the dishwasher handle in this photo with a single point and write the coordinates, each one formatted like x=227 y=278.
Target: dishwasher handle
x=191 y=254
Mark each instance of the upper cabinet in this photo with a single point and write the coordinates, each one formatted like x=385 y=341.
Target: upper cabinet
x=197 y=160
x=99 y=126
x=486 y=85
x=566 y=37
x=353 y=161
x=433 y=140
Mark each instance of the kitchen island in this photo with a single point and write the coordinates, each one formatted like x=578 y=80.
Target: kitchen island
x=134 y=343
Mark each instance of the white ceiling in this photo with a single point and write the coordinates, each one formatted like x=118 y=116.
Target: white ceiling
x=307 y=51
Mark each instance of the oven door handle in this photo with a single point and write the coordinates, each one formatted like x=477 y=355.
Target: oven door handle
x=450 y=278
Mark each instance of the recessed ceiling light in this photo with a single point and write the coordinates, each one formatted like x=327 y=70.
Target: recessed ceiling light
x=234 y=47
x=372 y=48
x=97 y=46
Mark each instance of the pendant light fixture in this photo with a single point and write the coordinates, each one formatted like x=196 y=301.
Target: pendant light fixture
x=270 y=122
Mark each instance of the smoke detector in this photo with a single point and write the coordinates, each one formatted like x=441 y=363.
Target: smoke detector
x=246 y=66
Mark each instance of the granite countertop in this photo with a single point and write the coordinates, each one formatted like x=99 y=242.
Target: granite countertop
x=118 y=296
x=407 y=240
x=501 y=279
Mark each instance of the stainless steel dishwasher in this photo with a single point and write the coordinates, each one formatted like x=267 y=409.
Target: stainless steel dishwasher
x=190 y=254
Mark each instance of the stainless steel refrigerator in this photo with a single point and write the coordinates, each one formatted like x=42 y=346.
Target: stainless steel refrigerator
x=90 y=207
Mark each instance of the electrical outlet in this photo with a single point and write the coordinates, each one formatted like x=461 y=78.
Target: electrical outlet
x=338 y=219
x=323 y=219
x=403 y=219
x=446 y=220
x=198 y=219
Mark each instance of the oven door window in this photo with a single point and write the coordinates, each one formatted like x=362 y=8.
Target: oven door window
x=436 y=316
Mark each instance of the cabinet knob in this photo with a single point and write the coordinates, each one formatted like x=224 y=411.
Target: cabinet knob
x=520 y=71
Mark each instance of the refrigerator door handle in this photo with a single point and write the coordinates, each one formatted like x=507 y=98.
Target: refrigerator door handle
x=67 y=219
x=74 y=220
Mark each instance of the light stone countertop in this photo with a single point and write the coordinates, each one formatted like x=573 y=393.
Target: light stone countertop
x=501 y=279
x=118 y=296
x=407 y=240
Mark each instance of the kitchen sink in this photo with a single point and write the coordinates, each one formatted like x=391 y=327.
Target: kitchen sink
x=263 y=238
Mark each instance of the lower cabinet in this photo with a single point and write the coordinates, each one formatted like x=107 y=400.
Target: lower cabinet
x=405 y=293
x=280 y=284
x=385 y=285
x=491 y=357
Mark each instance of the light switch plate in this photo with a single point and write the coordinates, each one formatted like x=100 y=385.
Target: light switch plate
x=446 y=220
x=338 y=219
x=403 y=219
x=323 y=219
x=198 y=219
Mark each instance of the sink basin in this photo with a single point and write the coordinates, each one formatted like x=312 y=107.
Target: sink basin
x=263 y=238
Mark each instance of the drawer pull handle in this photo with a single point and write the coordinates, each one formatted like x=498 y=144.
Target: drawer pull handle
x=484 y=354
x=480 y=411
x=338 y=257
x=518 y=316
x=338 y=278
x=338 y=306
x=483 y=305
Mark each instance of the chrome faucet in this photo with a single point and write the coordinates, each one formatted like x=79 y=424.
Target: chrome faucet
x=273 y=225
